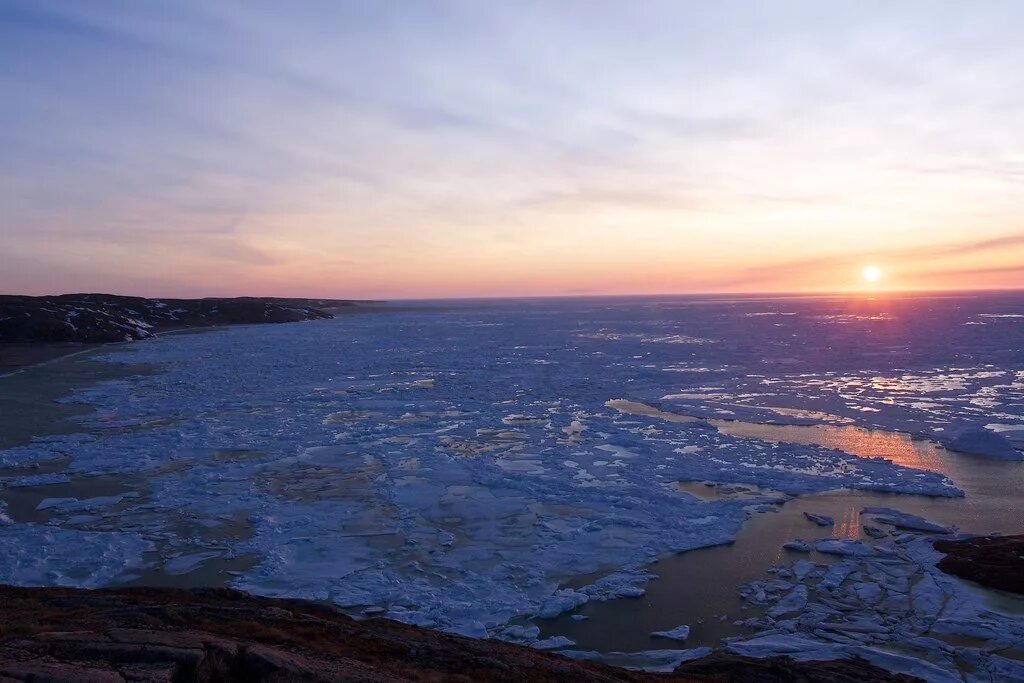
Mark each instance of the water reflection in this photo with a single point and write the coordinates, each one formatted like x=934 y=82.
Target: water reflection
x=699 y=587
x=848 y=523
x=866 y=443
x=900 y=448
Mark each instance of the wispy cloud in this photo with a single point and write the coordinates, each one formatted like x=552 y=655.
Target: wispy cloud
x=480 y=148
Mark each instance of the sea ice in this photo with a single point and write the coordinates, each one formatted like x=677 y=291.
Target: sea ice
x=903 y=520
x=656 y=661
x=74 y=504
x=981 y=441
x=842 y=546
x=553 y=643
x=679 y=633
x=466 y=502
x=889 y=608
x=820 y=520
x=799 y=545
x=35 y=480
x=33 y=555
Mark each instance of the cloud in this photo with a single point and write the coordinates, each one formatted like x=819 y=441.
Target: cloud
x=597 y=137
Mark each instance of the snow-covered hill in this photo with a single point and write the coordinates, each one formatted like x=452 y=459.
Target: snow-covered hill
x=95 y=318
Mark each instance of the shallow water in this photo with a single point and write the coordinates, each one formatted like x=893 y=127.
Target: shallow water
x=993 y=488
x=698 y=587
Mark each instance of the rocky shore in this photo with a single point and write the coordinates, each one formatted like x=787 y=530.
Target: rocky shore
x=149 y=634
x=104 y=318
x=992 y=561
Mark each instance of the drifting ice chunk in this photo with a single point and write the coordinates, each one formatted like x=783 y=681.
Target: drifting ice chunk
x=561 y=601
x=903 y=520
x=820 y=520
x=797 y=647
x=37 y=480
x=799 y=545
x=553 y=643
x=805 y=649
x=34 y=555
x=679 y=633
x=842 y=546
x=869 y=593
x=73 y=504
x=835 y=575
x=659 y=661
x=183 y=564
x=622 y=584
x=802 y=568
x=519 y=634
x=794 y=601
x=981 y=441
x=928 y=597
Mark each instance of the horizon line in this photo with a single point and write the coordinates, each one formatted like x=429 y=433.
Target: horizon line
x=579 y=295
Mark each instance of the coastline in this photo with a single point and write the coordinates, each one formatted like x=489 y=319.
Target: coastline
x=19 y=356
x=29 y=396
x=16 y=357
x=173 y=634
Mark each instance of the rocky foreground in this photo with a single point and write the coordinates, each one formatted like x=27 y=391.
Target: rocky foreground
x=148 y=634
x=992 y=561
x=103 y=318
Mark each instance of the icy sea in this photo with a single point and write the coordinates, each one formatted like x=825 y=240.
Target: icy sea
x=485 y=466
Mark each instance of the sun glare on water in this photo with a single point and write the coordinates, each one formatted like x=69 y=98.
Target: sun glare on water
x=871 y=274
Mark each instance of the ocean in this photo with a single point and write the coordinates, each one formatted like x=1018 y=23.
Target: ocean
x=578 y=471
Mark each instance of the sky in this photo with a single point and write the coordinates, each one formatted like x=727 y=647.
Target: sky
x=419 y=149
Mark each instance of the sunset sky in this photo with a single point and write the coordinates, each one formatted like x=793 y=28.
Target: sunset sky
x=426 y=149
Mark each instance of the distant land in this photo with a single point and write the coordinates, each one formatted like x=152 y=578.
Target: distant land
x=37 y=328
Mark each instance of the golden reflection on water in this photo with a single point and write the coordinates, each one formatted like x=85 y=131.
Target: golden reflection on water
x=895 y=446
x=866 y=443
x=847 y=524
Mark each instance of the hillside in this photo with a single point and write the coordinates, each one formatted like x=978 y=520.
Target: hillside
x=101 y=318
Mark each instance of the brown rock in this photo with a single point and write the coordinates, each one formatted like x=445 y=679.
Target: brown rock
x=993 y=561
x=722 y=666
x=149 y=634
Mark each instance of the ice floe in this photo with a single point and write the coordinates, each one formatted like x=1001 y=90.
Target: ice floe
x=662 y=661
x=32 y=555
x=903 y=520
x=820 y=520
x=454 y=470
x=890 y=605
x=679 y=633
x=982 y=441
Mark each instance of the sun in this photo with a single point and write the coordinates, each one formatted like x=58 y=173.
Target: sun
x=871 y=273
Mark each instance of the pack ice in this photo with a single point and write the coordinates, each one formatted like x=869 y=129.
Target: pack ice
x=454 y=470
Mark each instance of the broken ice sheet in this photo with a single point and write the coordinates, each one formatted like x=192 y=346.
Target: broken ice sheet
x=464 y=502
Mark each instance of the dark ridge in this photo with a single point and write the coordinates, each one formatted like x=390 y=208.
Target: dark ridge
x=103 y=318
x=992 y=561
x=722 y=666
x=156 y=634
